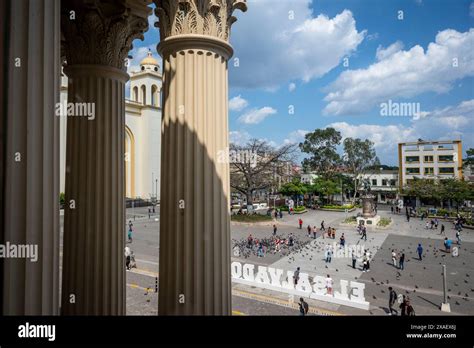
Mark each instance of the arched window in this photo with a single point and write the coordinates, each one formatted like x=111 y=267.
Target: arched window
x=143 y=88
x=135 y=94
x=129 y=163
x=154 y=96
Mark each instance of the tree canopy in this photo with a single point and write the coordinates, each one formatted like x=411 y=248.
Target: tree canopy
x=259 y=173
x=321 y=145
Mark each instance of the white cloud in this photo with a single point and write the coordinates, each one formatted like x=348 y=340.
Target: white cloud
x=256 y=116
x=239 y=137
x=291 y=87
x=295 y=137
x=404 y=74
x=450 y=123
x=274 y=48
x=373 y=36
x=238 y=103
x=384 y=53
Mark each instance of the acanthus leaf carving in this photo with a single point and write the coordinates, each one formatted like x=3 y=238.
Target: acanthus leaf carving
x=101 y=32
x=205 y=17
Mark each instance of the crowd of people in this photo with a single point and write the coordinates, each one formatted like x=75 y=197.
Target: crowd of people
x=404 y=304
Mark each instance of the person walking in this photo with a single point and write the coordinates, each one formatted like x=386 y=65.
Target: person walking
x=328 y=253
x=447 y=244
x=442 y=229
x=391 y=301
x=275 y=229
x=304 y=308
x=364 y=233
x=419 y=250
x=277 y=244
x=322 y=226
x=342 y=241
x=401 y=262
x=281 y=214
x=394 y=258
x=409 y=308
x=129 y=235
x=408 y=217
x=276 y=214
x=309 y=230
x=364 y=264
x=403 y=306
x=458 y=237
x=128 y=254
x=329 y=284
x=296 y=276
x=314 y=232
x=367 y=258
x=354 y=259
x=290 y=240
x=300 y=222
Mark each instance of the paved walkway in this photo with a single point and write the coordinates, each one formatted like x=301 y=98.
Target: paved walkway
x=420 y=280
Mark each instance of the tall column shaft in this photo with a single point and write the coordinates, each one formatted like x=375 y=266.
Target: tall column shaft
x=194 y=216
x=194 y=202
x=31 y=187
x=97 y=42
x=94 y=277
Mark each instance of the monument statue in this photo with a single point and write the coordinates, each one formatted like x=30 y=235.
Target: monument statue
x=367 y=200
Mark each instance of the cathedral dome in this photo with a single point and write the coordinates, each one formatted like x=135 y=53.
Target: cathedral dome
x=149 y=60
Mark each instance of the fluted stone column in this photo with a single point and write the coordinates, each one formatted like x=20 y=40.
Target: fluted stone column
x=194 y=217
x=97 y=43
x=30 y=192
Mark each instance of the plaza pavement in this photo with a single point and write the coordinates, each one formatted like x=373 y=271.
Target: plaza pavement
x=421 y=281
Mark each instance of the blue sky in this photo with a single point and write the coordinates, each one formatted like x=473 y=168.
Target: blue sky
x=334 y=62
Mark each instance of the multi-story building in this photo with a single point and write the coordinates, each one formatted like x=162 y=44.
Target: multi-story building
x=309 y=178
x=429 y=160
x=383 y=184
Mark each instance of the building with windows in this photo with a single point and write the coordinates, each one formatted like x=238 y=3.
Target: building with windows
x=383 y=184
x=429 y=160
x=308 y=178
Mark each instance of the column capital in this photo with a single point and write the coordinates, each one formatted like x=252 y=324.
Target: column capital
x=203 y=17
x=101 y=32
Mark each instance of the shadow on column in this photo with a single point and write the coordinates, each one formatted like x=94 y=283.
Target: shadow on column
x=194 y=258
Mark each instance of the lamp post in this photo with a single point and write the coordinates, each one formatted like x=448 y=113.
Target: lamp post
x=445 y=306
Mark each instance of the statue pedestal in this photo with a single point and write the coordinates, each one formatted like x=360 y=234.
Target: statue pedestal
x=368 y=221
x=368 y=218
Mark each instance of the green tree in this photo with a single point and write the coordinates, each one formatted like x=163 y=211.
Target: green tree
x=469 y=160
x=326 y=188
x=358 y=156
x=321 y=146
x=253 y=166
x=457 y=191
x=424 y=188
x=294 y=189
